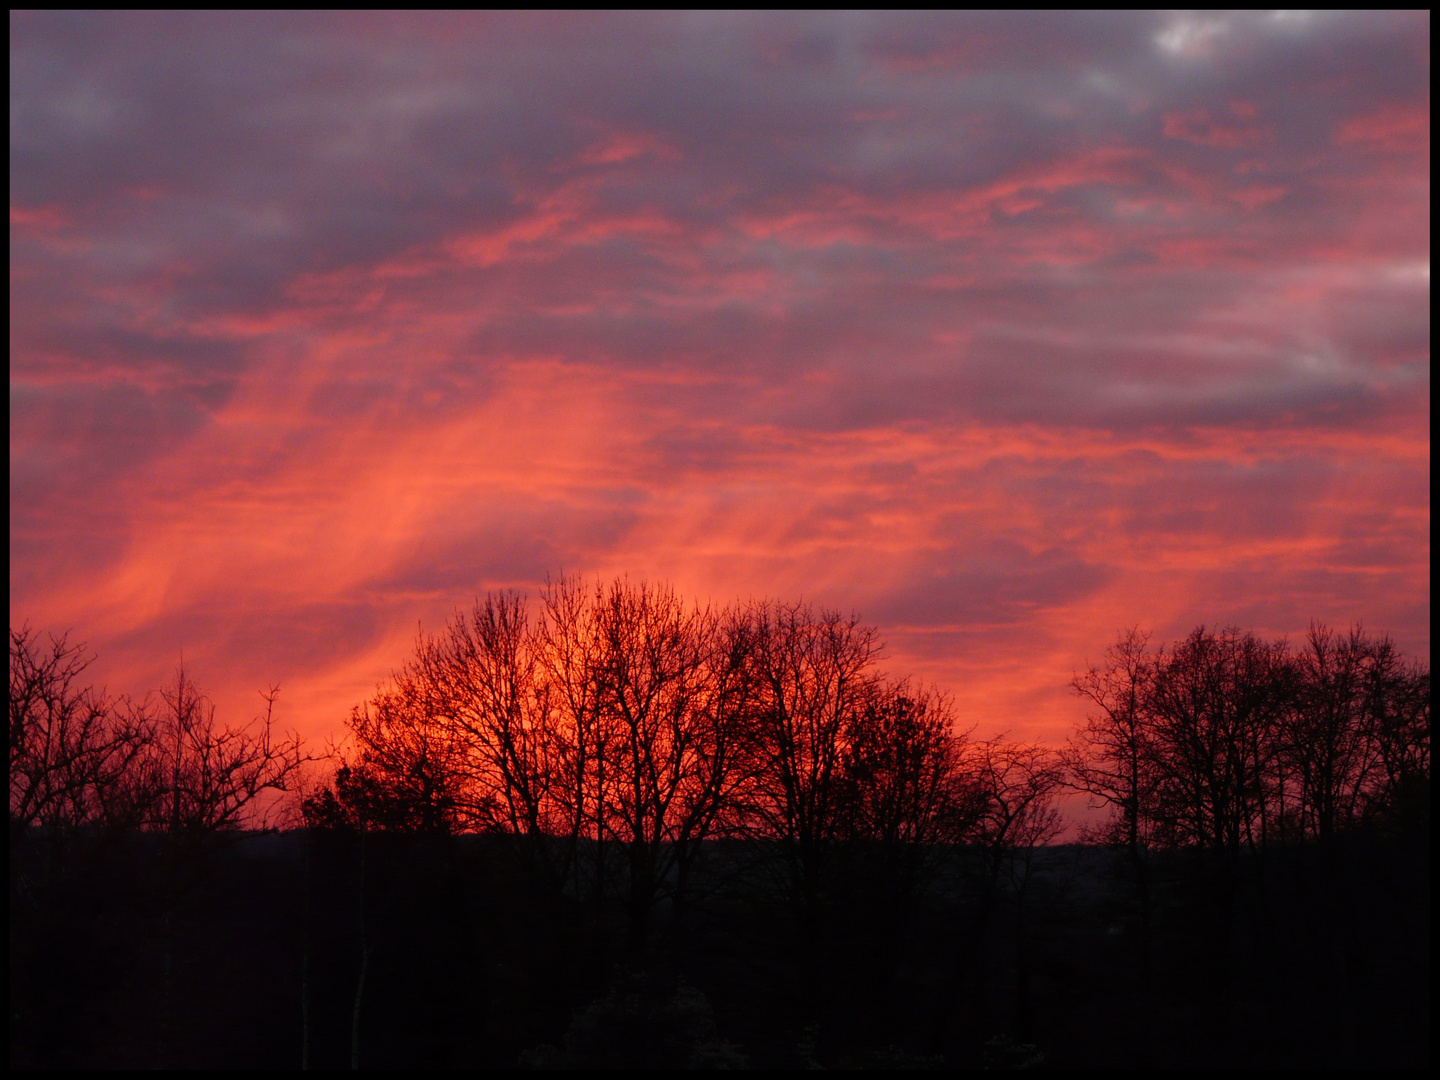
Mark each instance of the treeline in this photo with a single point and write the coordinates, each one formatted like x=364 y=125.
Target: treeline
x=1227 y=741
x=619 y=725
x=612 y=828
x=620 y=715
x=80 y=757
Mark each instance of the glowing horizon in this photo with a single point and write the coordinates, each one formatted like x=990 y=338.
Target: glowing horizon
x=1003 y=331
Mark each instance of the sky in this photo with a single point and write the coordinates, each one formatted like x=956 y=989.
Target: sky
x=1003 y=331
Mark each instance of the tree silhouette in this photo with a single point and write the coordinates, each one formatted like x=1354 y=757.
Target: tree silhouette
x=570 y=656
x=905 y=792
x=816 y=672
x=408 y=773
x=1330 y=743
x=481 y=675
x=901 y=759
x=206 y=778
x=1216 y=700
x=603 y=737
x=78 y=757
x=1112 y=757
x=73 y=749
x=1015 y=785
x=1227 y=741
x=1397 y=700
x=672 y=688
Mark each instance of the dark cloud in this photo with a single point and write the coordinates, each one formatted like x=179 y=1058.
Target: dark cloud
x=502 y=543
x=997 y=583
x=251 y=150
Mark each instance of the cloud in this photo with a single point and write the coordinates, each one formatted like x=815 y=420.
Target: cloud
x=1004 y=329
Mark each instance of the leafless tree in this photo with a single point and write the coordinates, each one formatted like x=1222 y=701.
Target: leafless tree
x=1224 y=740
x=905 y=792
x=405 y=771
x=815 y=672
x=1015 y=785
x=1397 y=699
x=207 y=777
x=80 y=757
x=722 y=749
x=1330 y=741
x=482 y=673
x=1112 y=758
x=616 y=718
x=570 y=656
x=667 y=690
x=73 y=749
x=1216 y=699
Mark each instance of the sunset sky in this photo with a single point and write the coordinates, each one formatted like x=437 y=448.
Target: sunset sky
x=1003 y=331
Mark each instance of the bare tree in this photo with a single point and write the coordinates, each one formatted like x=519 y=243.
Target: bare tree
x=904 y=789
x=1397 y=699
x=73 y=749
x=485 y=678
x=1216 y=700
x=616 y=717
x=1330 y=742
x=210 y=778
x=815 y=672
x=405 y=772
x=1225 y=740
x=1015 y=785
x=664 y=689
x=1112 y=758
x=721 y=750
x=570 y=657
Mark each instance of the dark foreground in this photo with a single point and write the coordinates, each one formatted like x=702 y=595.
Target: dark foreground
x=140 y=951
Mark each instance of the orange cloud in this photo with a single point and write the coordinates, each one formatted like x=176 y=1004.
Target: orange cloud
x=1001 y=361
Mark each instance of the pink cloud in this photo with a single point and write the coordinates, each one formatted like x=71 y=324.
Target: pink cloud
x=1396 y=128
x=743 y=304
x=1197 y=126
